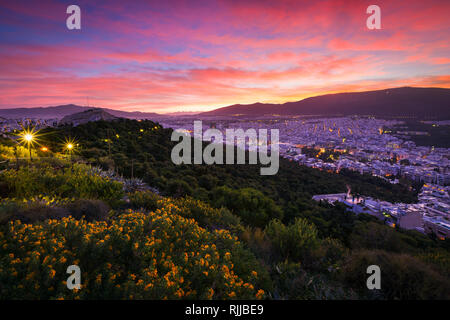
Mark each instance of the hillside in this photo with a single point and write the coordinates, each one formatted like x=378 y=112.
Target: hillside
x=432 y=103
x=422 y=103
x=87 y=116
x=214 y=231
x=65 y=110
x=135 y=253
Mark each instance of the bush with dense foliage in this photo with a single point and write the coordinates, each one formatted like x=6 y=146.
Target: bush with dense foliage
x=251 y=205
x=402 y=276
x=295 y=241
x=292 y=247
x=159 y=255
x=75 y=181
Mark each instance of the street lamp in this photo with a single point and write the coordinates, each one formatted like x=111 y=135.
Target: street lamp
x=28 y=137
x=69 y=146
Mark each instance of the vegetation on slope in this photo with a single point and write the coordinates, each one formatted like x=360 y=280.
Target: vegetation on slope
x=281 y=243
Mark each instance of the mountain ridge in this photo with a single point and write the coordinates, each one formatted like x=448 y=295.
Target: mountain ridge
x=416 y=102
x=69 y=109
x=429 y=102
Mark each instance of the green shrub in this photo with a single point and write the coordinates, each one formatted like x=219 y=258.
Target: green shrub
x=146 y=200
x=257 y=241
x=207 y=216
x=157 y=255
x=291 y=282
x=402 y=276
x=29 y=211
x=179 y=188
x=295 y=241
x=88 y=209
x=251 y=205
x=68 y=182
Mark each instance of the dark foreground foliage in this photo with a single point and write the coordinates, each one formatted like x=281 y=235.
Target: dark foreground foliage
x=215 y=231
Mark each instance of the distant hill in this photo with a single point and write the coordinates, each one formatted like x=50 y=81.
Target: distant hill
x=432 y=103
x=182 y=113
x=64 y=110
x=87 y=116
x=423 y=103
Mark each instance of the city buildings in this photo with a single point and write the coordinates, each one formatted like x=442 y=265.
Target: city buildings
x=365 y=145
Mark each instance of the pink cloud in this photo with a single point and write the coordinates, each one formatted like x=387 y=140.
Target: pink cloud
x=202 y=55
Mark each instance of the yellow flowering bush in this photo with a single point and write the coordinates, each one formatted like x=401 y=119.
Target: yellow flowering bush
x=203 y=213
x=134 y=255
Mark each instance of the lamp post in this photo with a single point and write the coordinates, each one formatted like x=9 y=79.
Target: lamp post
x=29 y=140
x=69 y=148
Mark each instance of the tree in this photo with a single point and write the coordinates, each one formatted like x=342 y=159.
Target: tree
x=251 y=205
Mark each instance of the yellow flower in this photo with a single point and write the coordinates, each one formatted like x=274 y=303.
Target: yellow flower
x=148 y=286
x=260 y=294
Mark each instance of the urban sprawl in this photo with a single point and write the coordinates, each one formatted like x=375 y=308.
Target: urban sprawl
x=362 y=144
x=365 y=145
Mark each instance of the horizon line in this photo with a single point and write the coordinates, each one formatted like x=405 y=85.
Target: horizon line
x=217 y=108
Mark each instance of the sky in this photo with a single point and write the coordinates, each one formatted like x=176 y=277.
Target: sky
x=169 y=56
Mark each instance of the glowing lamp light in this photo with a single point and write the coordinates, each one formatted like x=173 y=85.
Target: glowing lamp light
x=70 y=145
x=28 y=137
